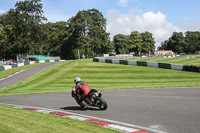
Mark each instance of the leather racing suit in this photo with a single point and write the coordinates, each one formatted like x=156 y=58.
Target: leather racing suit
x=81 y=91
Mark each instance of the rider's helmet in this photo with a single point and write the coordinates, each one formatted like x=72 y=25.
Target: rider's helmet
x=77 y=79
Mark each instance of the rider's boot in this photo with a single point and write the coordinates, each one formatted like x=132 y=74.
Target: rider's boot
x=85 y=105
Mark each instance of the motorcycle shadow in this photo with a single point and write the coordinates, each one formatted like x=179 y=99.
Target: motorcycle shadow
x=79 y=108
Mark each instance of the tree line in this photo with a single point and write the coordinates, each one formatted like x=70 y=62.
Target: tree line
x=24 y=29
x=188 y=43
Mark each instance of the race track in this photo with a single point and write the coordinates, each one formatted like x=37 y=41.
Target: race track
x=172 y=110
x=24 y=75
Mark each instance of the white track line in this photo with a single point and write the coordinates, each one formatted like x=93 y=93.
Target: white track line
x=13 y=74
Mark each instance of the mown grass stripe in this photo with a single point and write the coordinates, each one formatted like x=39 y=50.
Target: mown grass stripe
x=59 y=78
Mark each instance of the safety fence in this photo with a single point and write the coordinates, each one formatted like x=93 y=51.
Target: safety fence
x=6 y=67
x=150 y=64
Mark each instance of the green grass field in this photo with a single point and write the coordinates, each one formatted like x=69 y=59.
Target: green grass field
x=14 y=120
x=59 y=78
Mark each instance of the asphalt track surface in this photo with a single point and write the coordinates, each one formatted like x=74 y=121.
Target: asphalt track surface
x=24 y=75
x=172 y=110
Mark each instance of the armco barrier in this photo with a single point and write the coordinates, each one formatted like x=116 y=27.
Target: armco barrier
x=125 y=62
x=95 y=59
x=177 y=67
x=102 y=60
x=132 y=62
x=108 y=61
x=26 y=63
x=115 y=62
x=7 y=67
x=150 y=64
x=191 y=68
x=14 y=65
x=32 y=62
x=20 y=64
x=187 y=68
x=2 y=68
x=196 y=69
x=42 y=61
x=141 y=63
x=164 y=65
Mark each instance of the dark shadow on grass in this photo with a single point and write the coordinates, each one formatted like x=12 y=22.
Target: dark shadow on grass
x=79 y=108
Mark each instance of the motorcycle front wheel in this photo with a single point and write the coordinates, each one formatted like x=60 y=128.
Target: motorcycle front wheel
x=101 y=103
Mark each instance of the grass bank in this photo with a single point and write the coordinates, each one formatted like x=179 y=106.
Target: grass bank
x=14 y=120
x=59 y=78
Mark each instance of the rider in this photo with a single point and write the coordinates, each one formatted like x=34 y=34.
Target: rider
x=81 y=92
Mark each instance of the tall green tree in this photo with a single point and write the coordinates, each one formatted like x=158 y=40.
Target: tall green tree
x=9 y=35
x=31 y=16
x=192 y=40
x=88 y=34
x=57 y=37
x=121 y=44
x=99 y=38
x=148 y=43
x=176 y=42
x=25 y=22
x=2 y=41
x=135 y=42
x=190 y=43
x=163 y=45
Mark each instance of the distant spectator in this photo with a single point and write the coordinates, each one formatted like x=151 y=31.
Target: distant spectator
x=10 y=62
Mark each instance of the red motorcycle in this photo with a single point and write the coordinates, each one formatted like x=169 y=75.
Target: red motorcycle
x=94 y=99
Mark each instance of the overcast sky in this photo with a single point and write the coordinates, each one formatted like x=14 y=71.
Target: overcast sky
x=160 y=17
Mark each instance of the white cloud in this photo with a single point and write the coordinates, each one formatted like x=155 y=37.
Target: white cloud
x=55 y=17
x=52 y=17
x=135 y=20
x=192 y=26
x=123 y=3
x=2 y=11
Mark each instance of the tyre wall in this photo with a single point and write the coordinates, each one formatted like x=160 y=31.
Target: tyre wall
x=150 y=64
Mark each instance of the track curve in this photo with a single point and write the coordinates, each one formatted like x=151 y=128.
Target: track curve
x=24 y=75
x=172 y=110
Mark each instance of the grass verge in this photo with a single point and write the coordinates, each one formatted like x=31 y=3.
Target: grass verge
x=59 y=78
x=14 y=120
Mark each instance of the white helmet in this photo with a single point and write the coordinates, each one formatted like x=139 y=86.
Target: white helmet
x=77 y=79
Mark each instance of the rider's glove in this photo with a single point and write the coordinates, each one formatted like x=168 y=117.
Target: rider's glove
x=72 y=94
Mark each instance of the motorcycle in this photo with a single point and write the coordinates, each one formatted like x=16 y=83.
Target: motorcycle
x=93 y=99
